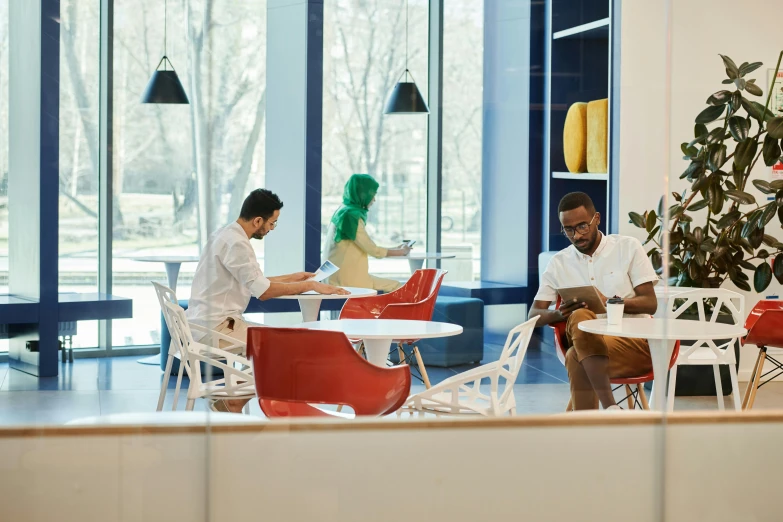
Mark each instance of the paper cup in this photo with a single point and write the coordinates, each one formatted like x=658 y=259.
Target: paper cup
x=614 y=313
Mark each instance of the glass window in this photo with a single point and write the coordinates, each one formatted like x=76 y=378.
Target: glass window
x=169 y=158
x=79 y=141
x=463 y=63
x=364 y=57
x=3 y=146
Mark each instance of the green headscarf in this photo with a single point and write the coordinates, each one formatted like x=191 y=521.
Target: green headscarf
x=358 y=193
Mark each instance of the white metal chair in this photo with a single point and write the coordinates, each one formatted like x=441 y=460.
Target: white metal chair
x=462 y=394
x=707 y=352
x=166 y=294
x=237 y=380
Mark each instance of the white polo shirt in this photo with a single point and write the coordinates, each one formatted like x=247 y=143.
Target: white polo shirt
x=619 y=265
x=227 y=276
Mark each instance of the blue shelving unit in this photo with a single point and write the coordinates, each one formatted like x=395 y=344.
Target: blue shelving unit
x=579 y=67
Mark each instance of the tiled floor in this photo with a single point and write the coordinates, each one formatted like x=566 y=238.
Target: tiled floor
x=115 y=385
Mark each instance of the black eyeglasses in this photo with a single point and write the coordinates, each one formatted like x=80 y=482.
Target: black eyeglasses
x=582 y=228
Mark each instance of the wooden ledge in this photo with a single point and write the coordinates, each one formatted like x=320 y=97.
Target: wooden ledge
x=565 y=420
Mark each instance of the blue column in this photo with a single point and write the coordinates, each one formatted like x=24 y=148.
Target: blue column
x=34 y=74
x=294 y=127
x=508 y=211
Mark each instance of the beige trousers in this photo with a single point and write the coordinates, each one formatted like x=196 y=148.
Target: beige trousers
x=627 y=358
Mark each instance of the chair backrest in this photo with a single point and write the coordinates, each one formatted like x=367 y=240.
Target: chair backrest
x=418 y=287
x=295 y=366
x=699 y=299
x=510 y=361
x=165 y=294
x=765 y=324
x=422 y=309
x=182 y=339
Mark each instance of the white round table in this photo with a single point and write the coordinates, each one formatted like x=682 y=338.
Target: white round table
x=378 y=334
x=172 y=264
x=164 y=418
x=416 y=259
x=310 y=302
x=662 y=335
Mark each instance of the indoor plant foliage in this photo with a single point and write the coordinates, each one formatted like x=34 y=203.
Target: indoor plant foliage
x=731 y=135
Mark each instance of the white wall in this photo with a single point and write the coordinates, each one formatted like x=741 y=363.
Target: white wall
x=700 y=31
x=553 y=468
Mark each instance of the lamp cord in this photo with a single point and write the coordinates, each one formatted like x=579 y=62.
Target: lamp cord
x=406 y=39
x=164 y=32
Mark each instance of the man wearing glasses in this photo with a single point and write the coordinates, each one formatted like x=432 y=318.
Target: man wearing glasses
x=228 y=274
x=615 y=265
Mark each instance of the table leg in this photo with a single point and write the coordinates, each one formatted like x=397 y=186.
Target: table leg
x=661 y=353
x=172 y=272
x=377 y=350
x=310 y=309
x=416 y=264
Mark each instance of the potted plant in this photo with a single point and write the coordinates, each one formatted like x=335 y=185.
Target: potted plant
x=731 y=135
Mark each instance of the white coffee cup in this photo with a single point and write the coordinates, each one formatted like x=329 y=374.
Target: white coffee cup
x=614 y=311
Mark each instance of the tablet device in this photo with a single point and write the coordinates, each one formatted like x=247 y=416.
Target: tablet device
x=325 y=270
x=583 y=294
x=409 y=242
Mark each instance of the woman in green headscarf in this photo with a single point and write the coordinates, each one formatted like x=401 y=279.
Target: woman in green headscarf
x=347 y=243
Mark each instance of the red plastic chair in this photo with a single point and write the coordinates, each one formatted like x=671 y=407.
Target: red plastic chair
x=415 y=300
x=296 y=367
x=765 y=329
x=634 y=398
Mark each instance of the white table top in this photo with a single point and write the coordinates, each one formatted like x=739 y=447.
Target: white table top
x=428 y=255
x=672 y=329
x=167 y=259
x=165 y=418
x=386 y=328
x=355 y=293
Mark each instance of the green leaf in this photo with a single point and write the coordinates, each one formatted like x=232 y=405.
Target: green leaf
x=716 y=197
x=717 y=156
x=695 y=169
x=656 y=259
x=636 y=219
x=728 y=220
x=700 y=130
x=756 y=237
x=779 y=198
x=702 y=203
x=660 y=206
x=746 y=265
x=743 y=198
x=737 y=175
x=775 y=127
x=742 y=285
x=755 y=109
x=744 y=153
x=748 y=228
x=652 y=218
x=780 y=215
x=767 y=215
x=689 y=150
x=763 y=186
x=770 y=150
x=777 y=184
x=753 y=89
x=719 y=98
x=746 y=69
x=700 y=183
x=676 y=197
x=652 y=234
x=710 y=114
x=762 y=278
x=732 y=71
x=777 y=268
x=736 y=101
x=738 y=127
x=762 y=254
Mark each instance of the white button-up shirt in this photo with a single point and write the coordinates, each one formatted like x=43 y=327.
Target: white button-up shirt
x=619 y=265
x=227 y=276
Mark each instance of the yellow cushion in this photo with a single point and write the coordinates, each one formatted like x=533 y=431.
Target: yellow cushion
x=575 y=138
x=597 y=129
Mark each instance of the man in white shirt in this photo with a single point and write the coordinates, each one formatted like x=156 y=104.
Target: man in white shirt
x=616 y=266
x=228 y=274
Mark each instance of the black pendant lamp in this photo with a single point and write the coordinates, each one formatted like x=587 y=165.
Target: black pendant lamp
x=164 y=86
x=406 y=98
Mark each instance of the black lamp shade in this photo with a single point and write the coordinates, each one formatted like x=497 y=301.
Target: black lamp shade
x=406 y=99
x=164 y=87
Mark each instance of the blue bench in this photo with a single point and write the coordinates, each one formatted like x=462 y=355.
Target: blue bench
x=466 y=348
x=489 y=292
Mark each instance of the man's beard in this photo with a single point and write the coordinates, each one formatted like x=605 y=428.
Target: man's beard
x=258 y=235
